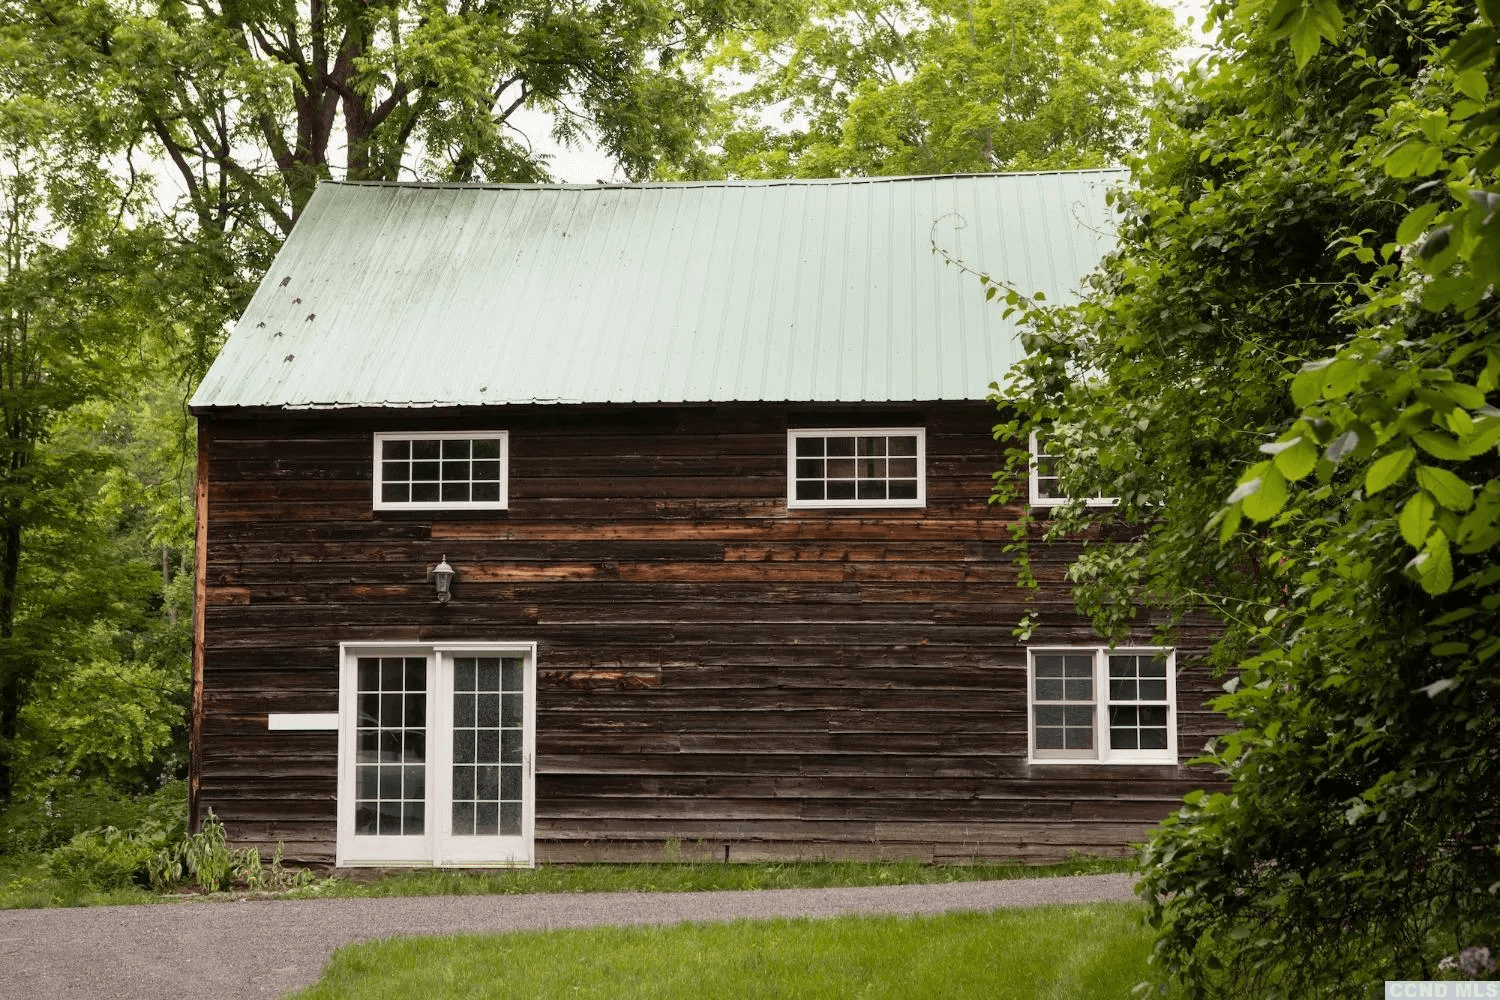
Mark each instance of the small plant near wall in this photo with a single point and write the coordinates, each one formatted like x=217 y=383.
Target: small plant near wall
x=274 y=877
x=207 y=858
x=214 y=866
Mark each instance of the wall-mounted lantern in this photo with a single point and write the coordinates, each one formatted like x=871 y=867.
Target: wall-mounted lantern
x=442 y=575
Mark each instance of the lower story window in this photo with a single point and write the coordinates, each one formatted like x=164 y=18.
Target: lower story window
x=436 y=747
x=1100 y=705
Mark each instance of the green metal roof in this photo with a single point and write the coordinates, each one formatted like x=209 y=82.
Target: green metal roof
x=827 y=290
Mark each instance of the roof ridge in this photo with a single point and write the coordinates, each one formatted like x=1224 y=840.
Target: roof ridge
x=738 y=182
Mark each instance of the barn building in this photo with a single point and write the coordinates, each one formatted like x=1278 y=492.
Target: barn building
x=570 y=523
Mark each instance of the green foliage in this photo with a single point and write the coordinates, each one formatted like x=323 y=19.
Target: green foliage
x=149 y=848
x=36 y=824
x=868 y=88
x=1284 y=373
x=72 y=333
x=104 y=646
x=92 y=665
x=275 y=877
x=252 y=104
x=207 y=858
x=109 y=857
x=102 y=859
x=207 y=861
x=163 y=856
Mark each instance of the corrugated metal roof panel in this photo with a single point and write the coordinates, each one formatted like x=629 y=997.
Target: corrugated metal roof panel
x=436 y=295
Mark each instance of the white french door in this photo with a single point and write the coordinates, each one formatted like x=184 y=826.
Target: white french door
x=436 y=751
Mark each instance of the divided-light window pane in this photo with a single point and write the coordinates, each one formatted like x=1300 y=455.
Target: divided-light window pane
x=1065 y=727
x=441 y=470
x=857 y=468
x=1046 y=478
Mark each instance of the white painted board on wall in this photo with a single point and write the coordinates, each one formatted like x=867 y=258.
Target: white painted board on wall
x=320 y=721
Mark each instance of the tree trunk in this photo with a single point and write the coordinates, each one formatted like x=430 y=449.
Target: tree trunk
x=10 y=692
x=166 y=583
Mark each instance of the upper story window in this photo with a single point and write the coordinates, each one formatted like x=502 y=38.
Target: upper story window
x=857 y=467
x=441 y=470
x=1098 y=705
x=1045 y=491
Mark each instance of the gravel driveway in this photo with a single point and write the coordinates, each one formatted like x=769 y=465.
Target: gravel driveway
x=265 y=948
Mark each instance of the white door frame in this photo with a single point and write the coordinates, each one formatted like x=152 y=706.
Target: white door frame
x=436 y=846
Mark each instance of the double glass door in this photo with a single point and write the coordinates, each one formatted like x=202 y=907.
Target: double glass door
x=436 y=750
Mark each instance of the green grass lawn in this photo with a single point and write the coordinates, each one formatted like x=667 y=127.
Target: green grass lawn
x=1094 y=951
x=25 y=882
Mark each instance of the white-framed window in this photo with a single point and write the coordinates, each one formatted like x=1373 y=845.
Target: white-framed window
x=1101 y=705
x=1045 y=491
x=441 y=470
x=857 y=467
x=436 y=754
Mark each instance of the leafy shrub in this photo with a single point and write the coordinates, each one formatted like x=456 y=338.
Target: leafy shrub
x=112 y=855
x=38 y=825
x=102 y=859
x=207 y=857
x=157 y=853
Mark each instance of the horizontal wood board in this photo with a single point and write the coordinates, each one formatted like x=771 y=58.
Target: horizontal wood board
x=715 y=671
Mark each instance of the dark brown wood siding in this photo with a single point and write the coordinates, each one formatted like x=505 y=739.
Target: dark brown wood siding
x=715 y=670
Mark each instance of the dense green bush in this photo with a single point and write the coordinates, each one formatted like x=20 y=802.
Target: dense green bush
x=103 y=859
x=35 y=826
x=113 y=857
x=157 y=853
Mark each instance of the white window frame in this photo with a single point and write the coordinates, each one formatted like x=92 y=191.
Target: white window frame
x=1102 y=753
x=427 y=850
x=792 y=436
x=1037 y=500
x=503 y=437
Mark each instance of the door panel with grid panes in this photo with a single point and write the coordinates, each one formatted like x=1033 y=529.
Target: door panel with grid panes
x=389 y=800
x=436 y=755
x=485 y=786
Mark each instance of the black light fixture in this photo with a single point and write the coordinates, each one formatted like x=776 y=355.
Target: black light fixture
x=442 y=575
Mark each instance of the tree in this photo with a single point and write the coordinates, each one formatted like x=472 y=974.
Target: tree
x=73 y=309
x=1302 y=294
x=109 y=299
x=913 y=87
x=249 y=103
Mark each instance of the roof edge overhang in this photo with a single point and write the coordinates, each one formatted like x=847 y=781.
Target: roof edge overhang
x=425 y=409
